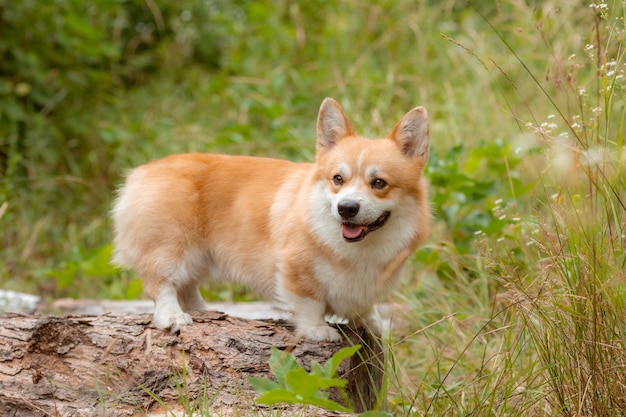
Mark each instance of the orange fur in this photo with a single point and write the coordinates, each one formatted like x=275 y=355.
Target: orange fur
x=277 y=226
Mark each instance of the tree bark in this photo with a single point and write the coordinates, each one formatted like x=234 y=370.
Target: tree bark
x=120 y=365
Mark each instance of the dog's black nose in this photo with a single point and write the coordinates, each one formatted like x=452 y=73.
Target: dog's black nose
x=348 y=209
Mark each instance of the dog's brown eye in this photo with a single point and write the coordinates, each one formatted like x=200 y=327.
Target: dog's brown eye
x=379 y=184
x=337 y=180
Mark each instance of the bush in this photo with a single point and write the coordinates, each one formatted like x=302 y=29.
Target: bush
x=74 y=55
x=63 y=64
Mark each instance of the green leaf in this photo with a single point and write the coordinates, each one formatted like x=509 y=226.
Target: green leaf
x=317 y=369
x=331 y=365
x=280 y=364
x=325 y=383
x=302 y=383
x=262 y=385
x=278 y=396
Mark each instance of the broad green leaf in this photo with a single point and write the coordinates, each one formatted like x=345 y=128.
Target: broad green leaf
x=302 y=383
x=317 y=369
x=280 y=364
x=325 y=383
x=279 y=396
x=262 y=385
x=331 y=365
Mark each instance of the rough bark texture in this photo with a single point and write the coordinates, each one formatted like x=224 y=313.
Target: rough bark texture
x=120 y=365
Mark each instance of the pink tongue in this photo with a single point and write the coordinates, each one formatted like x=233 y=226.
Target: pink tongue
x=351 y=231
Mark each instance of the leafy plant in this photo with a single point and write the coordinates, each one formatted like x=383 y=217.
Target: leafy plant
x=83 y=266
x=294 y=385
x=467 y=183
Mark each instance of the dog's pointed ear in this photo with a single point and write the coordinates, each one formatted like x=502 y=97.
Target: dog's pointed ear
x=411 y=134
x=332 y=124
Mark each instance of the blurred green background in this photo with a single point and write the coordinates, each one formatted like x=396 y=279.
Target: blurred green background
x=516 y=304
x=91 y=89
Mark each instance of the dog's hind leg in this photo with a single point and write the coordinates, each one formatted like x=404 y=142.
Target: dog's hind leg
x=184 y=268
x=189 y=297
x=173 y=293
x=167 y=311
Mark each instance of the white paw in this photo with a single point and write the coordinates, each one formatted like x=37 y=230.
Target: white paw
x=172 y=321
x=320 y=333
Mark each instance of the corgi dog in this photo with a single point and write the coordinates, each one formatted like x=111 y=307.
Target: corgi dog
x=322 y=238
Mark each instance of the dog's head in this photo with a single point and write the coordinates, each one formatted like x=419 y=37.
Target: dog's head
x=367 y=185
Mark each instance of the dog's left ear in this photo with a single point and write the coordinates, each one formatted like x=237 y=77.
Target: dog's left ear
x=332 y=124
x=411 y=134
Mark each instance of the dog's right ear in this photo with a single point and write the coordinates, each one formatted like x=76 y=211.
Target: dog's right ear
x=332 y=125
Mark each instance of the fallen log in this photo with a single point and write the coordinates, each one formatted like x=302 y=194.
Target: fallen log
x=85 y=365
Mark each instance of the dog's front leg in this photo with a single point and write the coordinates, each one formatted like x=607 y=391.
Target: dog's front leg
x=310 y=323
x=307 y=314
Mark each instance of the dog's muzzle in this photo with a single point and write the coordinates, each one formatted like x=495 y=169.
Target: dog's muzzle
x=354 y=232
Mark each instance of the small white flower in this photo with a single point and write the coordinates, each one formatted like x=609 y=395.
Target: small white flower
x=601 y=6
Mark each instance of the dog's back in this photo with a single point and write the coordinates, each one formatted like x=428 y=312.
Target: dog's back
x=192 y=216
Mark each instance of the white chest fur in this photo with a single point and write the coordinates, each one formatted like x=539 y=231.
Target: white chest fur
x=352 y=292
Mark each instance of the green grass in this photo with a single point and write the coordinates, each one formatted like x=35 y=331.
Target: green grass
x=517 y=301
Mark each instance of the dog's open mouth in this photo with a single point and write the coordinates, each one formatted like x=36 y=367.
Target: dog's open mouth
x=355 y=232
